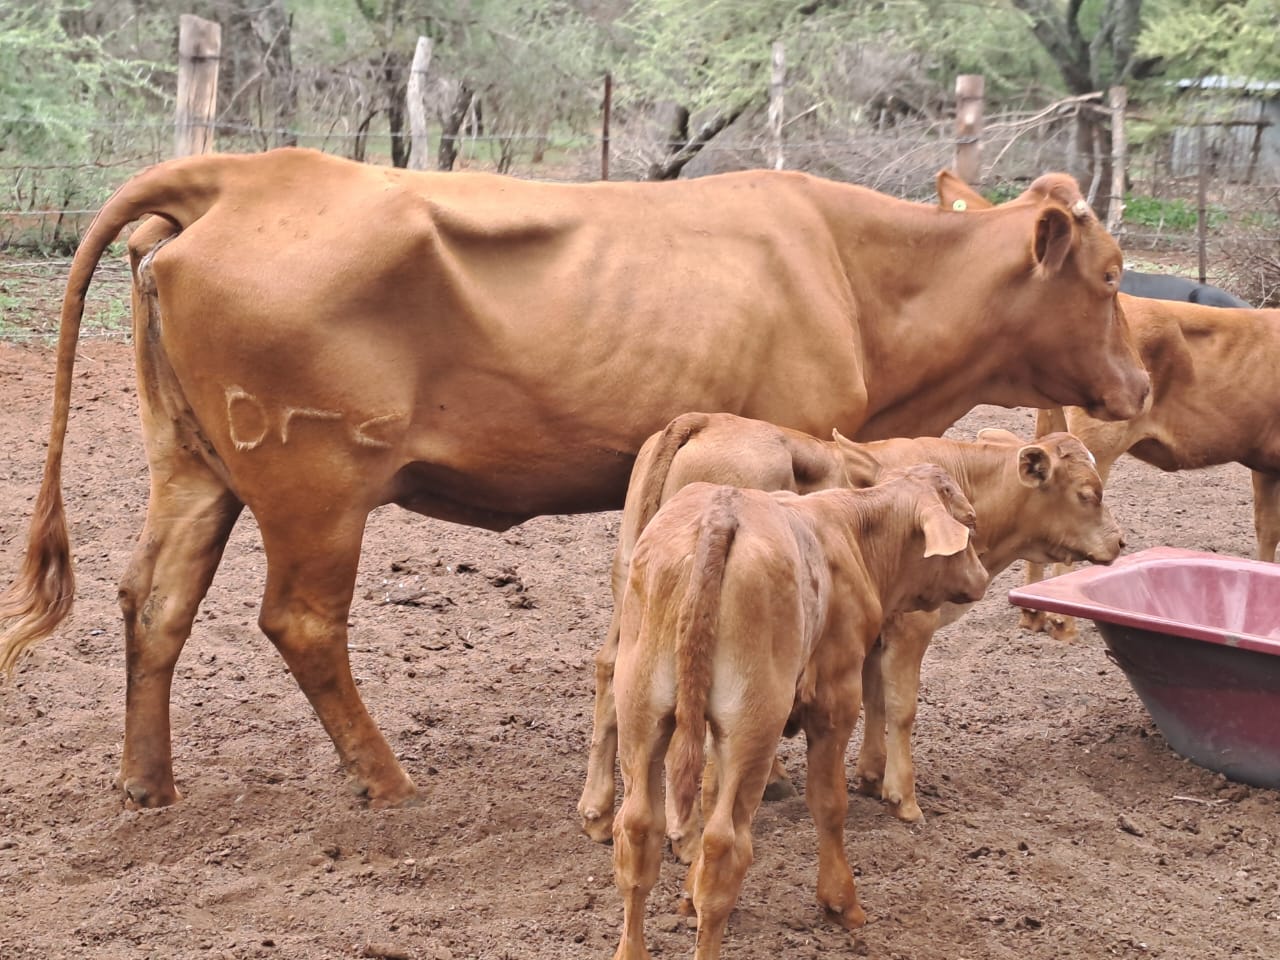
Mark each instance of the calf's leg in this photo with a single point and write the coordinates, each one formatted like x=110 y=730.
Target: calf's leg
x=906 y=640
x=725 y=853
x=639 y=828
x=828 y=725
x=595 y=806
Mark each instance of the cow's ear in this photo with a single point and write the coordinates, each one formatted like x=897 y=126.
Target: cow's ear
x=944 y=535
x=860 y=468
x=1054 y=238
x=998 y=435
x=955 y=194
x=1034 y=465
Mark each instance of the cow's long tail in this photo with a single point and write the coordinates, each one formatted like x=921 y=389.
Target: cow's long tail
x=181 y=191
x=698 y=623
x=674 y=436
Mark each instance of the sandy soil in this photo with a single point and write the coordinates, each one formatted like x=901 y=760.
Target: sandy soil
x=1058 y=822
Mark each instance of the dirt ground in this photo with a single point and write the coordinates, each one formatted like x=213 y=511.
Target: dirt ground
x=1058 y=822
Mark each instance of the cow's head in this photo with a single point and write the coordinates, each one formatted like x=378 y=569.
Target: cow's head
x=1075 y=265
x=942 y=565
x=1063 y=519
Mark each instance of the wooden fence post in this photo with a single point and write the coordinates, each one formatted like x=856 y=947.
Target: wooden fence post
x=1118 y=100
x=777 y=89
x=970 y=90
x=416 y=95
x=1202 y=200
x=604 y=126
x=199 y=46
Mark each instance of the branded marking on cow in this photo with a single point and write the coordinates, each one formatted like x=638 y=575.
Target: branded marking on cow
x=365 y=433
x=247 y=419
x=305 y=413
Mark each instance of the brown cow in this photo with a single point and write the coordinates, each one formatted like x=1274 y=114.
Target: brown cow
x=316 y=337
x=1034 y=501
x=1212 y=371
x=746 y=612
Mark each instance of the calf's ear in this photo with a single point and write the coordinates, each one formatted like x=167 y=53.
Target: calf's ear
x=944 y=535
x=1054 y=237
x=998 y=435
x=860 y=468
x=1034 y=465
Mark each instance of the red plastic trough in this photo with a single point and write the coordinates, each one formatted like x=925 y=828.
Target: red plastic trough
x=1198 y=636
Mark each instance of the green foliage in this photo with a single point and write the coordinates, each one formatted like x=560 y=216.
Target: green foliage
x=1168 y=214
x=1202 y=37
x=62 y=100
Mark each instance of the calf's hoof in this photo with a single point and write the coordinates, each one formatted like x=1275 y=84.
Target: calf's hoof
x=782 y=789
x=685 y=846
x=1033 y=620
x=907 y=811
x=596 y=825
x=1062 y=628
x=868 y=785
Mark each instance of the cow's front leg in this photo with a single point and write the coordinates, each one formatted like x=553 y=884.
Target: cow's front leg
x=311 y=572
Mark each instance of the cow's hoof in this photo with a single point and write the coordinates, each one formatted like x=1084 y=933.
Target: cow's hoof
x=402 y=794
x=851 y=917
x=141 y=795
x=598 y=826
x=782 y=789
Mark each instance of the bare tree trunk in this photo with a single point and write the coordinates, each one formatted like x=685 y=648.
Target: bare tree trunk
x=395 y=88
x=452 y=124
x=682 y=149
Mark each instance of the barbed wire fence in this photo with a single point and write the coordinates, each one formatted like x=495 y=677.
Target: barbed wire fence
x=47 y=204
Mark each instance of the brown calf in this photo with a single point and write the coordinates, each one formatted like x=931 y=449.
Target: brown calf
x=746 y=612
x=1035 y=501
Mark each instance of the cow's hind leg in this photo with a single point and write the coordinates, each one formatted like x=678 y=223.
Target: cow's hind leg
x=312 y=557
x=189 y=517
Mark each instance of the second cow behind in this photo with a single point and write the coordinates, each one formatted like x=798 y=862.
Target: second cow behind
x=1038 y=501
x=746 y=612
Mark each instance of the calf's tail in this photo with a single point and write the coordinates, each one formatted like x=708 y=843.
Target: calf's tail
x=674 y=436
x=181 y=191
x=697 y=626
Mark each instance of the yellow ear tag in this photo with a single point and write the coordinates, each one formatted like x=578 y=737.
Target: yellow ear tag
x=959 y=205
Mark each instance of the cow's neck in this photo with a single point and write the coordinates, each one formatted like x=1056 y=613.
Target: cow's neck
x=938 y=277
x=872 y=537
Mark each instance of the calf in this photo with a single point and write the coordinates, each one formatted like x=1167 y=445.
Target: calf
x=747 y=612
x=1214 y=401
x=1037 y=501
